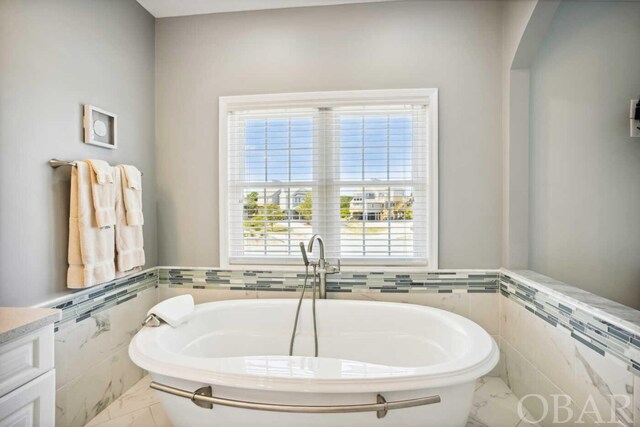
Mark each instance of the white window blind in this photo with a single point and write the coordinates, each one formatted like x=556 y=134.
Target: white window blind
x=356 y=174
x=273 y=173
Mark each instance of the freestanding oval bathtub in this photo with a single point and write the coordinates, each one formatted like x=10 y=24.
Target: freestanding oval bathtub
x=366 y=350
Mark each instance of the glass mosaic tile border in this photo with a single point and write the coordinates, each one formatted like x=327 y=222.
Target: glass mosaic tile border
x=83 y=304
x=283 y=281
x=601 y=336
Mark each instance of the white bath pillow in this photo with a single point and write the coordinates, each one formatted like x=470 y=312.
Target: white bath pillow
x=175 y=311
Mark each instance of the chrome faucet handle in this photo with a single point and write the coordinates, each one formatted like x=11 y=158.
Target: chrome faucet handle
x=332 y=269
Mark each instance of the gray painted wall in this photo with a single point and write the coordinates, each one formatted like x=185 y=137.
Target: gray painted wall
x=54 y=57
x=515 y=209
x=453 y=46
x=585 y=169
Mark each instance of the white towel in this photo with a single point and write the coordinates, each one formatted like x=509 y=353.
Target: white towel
x=91 y=248
x=129 y=239
x=175 y=311
x=103 y=191
x=132 y=194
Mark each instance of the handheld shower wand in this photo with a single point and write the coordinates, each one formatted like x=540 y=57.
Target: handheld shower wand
x=305 y=259
x=304 y=255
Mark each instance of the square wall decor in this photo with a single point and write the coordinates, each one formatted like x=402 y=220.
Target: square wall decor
x=100 y=127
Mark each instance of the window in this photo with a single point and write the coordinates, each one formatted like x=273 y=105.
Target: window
x=357 y=167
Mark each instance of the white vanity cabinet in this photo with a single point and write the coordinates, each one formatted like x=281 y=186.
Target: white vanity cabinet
x=27 y=374
x=32 y=404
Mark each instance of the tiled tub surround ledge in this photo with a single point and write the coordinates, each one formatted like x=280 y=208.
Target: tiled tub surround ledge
x=563 y=306
x=83 y=304
x=597 y=306
x=553 y=343
x=589 y=338
x=93 y=367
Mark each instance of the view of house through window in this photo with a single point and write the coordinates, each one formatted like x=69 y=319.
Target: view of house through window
x=356 y=175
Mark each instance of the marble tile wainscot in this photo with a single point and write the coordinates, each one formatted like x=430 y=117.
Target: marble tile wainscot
x=559 y=340
x=91 y=345
x=554 y=338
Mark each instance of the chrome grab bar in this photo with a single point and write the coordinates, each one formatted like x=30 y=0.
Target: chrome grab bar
x=204 y=398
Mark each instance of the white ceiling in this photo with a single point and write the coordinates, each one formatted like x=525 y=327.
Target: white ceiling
x=165 y=8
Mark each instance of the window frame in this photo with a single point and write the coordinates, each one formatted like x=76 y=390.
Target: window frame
x=426 y=96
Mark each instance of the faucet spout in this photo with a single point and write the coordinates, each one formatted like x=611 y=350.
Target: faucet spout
x=320 y=242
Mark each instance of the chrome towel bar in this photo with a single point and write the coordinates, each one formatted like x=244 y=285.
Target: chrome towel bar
x=55 y=163
x=204 y=398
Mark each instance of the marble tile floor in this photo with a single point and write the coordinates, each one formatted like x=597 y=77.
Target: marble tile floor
x=494 y=405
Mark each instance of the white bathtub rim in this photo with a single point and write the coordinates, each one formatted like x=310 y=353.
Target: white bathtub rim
x=315 y=385
x=146 y=352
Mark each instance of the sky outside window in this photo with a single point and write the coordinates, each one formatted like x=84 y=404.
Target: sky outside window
x=279 y=150
x=369 y=147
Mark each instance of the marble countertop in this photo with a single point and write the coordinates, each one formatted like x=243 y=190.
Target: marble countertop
x=18 y=321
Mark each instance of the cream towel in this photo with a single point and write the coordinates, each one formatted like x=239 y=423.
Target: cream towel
x=132 y=193
x=104 y=192
x=129 y=240
x=91 y=248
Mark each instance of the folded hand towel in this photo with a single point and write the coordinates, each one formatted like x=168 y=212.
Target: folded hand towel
x=129 y=239
x=132 y=194
x=134 y=176
x=91 y=249
x=104 y=192
x=103 y=171
x=175 y=311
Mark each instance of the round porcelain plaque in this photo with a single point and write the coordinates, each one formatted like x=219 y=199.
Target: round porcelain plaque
x=99 y=128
